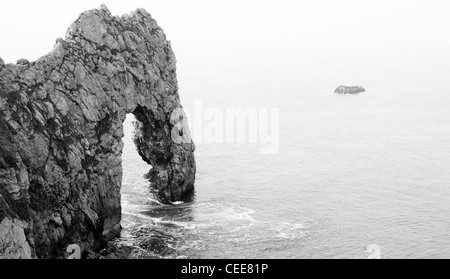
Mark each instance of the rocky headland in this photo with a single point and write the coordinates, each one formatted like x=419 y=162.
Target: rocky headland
x=61 y=129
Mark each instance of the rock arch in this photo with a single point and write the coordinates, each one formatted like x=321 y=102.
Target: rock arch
x=61 y=133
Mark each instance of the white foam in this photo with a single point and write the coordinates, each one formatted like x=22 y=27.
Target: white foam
x=177 y=202
x=155 y=201
x=223 y=212
x=141 y=216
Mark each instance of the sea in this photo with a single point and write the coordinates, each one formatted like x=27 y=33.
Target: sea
x=355 y=176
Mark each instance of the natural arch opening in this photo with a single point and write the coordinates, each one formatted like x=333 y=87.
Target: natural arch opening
x=135 y=184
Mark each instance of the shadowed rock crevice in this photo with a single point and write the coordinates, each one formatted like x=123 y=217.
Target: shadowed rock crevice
x=61 y=129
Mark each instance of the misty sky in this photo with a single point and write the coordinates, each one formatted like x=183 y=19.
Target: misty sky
x=346 y=40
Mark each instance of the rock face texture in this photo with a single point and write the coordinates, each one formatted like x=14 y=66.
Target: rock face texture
x=349 y=89
x=61 y=133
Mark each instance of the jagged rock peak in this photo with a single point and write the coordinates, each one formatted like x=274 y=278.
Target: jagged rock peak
x=103 y=7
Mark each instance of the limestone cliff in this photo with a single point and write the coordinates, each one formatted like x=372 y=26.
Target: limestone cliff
x=61 y=133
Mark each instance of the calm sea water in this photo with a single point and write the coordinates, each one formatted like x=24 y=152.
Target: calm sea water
x=351 y=171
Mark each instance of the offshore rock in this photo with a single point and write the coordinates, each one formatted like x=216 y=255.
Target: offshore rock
x=61 y=129
x=349 y=89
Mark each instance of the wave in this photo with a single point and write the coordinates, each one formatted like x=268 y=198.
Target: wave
x=188 y=230
x=177 y=202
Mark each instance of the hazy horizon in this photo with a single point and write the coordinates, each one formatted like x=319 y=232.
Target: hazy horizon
x=266 y=43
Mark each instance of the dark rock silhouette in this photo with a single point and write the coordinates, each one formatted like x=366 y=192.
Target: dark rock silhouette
x=61 y=129
x=349 y=89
